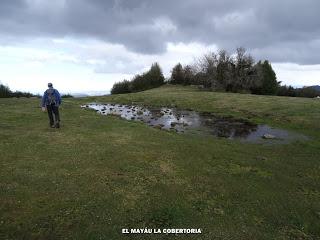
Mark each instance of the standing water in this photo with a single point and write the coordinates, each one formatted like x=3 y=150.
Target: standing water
x=182 y=121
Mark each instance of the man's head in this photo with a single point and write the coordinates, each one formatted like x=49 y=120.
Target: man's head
x=49 y=84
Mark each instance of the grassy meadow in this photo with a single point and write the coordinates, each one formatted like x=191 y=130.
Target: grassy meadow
x=99 y=174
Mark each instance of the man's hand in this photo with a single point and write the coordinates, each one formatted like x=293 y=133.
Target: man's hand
x=43 y=109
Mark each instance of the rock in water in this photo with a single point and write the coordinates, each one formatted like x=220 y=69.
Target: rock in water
x=268 y=136
x=159 y=126
x=173 y=124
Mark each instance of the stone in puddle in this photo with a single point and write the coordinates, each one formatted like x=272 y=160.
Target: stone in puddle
x=173 y=124
x=268 y=136
x=261 y=158
x=159 y=126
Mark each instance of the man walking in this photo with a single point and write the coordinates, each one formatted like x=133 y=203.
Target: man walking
x=51 y=101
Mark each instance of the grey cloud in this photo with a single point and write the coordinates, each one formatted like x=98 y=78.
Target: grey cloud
x=284 y=31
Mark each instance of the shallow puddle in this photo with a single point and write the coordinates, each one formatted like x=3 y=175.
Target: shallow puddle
x=185 y=121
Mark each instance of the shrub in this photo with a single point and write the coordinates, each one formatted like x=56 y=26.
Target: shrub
x=150 y=79
x=121 y=87
x=66 y=96
x=308 y=92
x=5 y=91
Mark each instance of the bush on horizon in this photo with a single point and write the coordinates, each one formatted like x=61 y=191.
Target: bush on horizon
x=150 y=79
x=66 y=95
x=5 y=92
x=121 y=87
x=289 y=91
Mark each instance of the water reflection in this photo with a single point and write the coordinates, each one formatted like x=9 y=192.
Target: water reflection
x=193 y=122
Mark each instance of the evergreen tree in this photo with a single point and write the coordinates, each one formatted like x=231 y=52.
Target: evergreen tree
x=266 y=82
x=269 y=84
x=177 y=75
x=155 y=76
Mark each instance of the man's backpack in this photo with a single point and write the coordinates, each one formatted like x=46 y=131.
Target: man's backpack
x=51 y=96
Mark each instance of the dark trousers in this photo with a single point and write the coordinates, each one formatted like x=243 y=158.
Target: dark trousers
x=53 y=113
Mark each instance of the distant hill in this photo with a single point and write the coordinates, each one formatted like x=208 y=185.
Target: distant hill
x=90 y=93
x=316 y=87
x=78 y=95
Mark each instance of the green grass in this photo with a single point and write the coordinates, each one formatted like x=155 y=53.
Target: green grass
x=99 y=174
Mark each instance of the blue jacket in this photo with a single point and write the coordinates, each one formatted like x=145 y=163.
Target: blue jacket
x=45 y=99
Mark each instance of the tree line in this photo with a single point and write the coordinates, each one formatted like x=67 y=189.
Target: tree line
x=309 y=92
x=218 y=71
x=235 y=73
x=5 y=92
x=224 y=72
x=147 y=80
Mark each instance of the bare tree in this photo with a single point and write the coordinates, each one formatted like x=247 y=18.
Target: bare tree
x=206 y=67
x=244 y=69
x=224 y=69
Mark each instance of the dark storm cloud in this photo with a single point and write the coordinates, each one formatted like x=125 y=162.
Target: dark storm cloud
x=284 y=30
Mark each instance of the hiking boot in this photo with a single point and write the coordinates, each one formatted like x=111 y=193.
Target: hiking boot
x=52 y=126
x=57 y=125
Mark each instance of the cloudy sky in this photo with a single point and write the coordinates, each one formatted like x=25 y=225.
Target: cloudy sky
x=87 y=45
